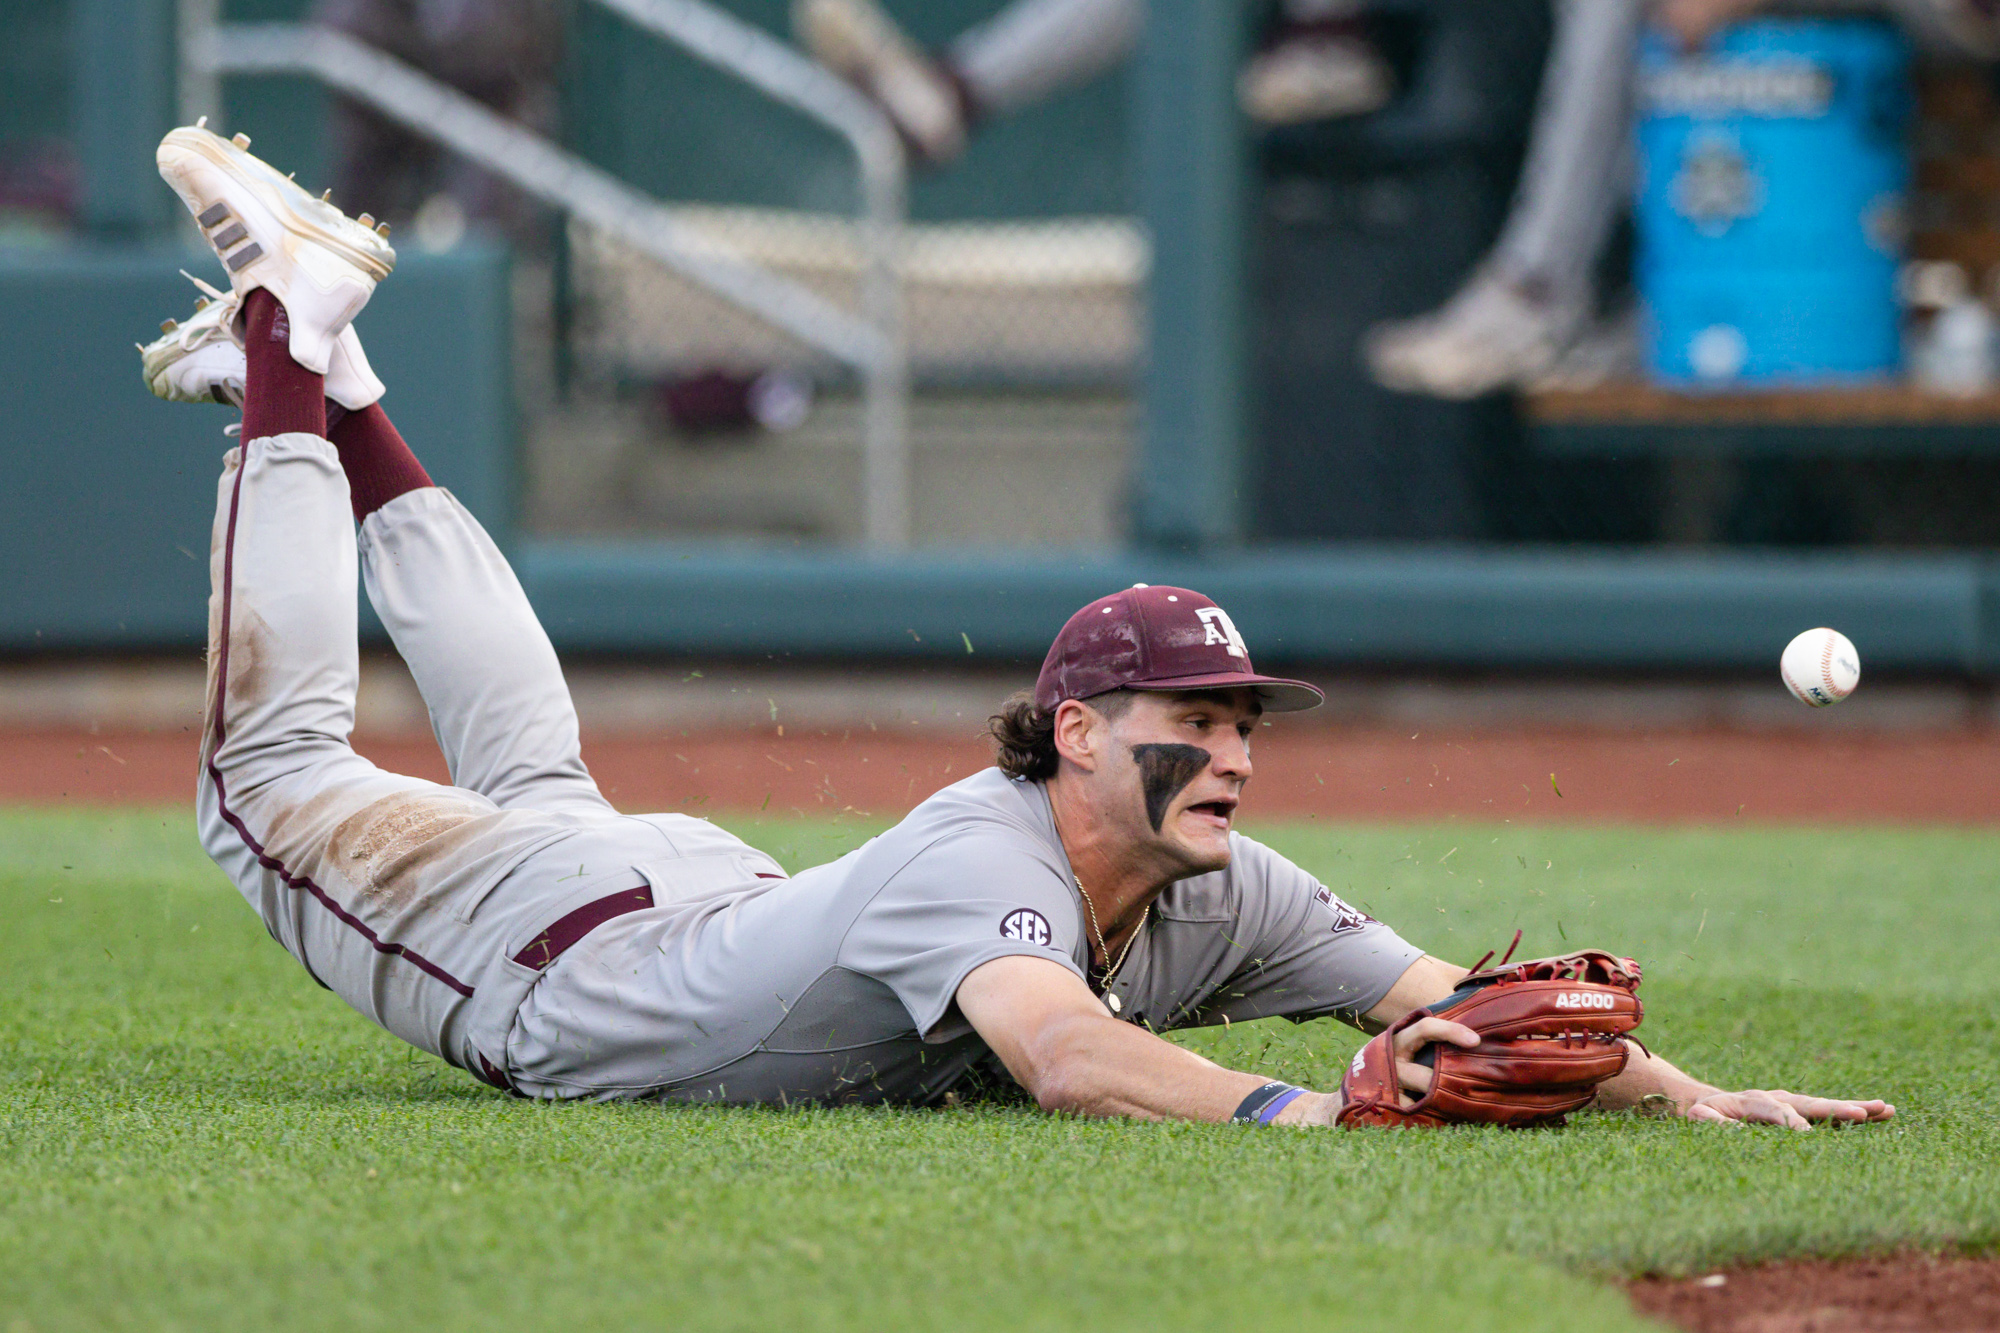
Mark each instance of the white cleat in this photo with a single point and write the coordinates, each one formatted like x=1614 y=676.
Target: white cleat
x=1310 y=78
x=197 y=360
x=863 y=45
x=200 y=360
x=269 y=233
x=1489 y=336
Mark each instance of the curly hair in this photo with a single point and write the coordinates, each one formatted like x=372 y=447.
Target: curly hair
x=1024 y=737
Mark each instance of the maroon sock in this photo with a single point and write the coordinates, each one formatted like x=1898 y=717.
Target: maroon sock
x=279 y=394
x=378 y=464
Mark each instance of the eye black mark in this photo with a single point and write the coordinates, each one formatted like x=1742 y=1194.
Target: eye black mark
x=1164 y=772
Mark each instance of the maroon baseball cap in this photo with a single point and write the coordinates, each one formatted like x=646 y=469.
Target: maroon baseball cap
x=1148 y=638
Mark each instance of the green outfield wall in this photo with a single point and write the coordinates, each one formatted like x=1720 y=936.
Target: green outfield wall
x=106 y=504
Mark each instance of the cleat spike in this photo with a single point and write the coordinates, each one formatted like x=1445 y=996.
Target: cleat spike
x=169 y=325
x=366 y=219
x=201 y=303
x=326 y=195
x=382 y=230
x=240 y=139
x=291 y=175
x=201 y=122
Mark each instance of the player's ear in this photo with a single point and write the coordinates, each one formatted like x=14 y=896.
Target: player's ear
x=1079 y=733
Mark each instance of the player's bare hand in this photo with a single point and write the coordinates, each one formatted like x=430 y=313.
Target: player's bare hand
x=1791 y=1109
x=1415 y=1077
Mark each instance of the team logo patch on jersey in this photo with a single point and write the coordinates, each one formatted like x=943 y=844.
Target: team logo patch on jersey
x=1345 y=918
x=1028 y=925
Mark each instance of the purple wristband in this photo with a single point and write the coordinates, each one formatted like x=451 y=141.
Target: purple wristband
x=1262 y=1106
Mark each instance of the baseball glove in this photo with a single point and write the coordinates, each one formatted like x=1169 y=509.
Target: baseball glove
x=1551 y=1030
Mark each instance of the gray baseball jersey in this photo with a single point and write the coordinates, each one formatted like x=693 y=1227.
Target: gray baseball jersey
x=838 y=985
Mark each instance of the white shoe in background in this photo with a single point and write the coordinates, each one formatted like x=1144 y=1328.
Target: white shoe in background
x=1314 y=76
x=1605 y=351
x=1491 y=335
x=863 y=45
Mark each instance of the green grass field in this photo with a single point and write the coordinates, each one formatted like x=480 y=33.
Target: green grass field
x=192 y=1135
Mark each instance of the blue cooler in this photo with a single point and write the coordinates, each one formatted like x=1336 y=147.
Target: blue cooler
x=1773 y=170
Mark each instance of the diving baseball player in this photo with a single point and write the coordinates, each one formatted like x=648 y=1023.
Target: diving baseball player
x=1038 y=921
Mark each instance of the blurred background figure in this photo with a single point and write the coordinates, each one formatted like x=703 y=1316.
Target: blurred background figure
x=504 y=53
x=1528 y=302
x=1525 y=303
x=1316 y=63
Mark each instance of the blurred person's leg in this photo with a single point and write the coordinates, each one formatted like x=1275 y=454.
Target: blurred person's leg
x=1526 y=302
x=1318 y=64
x=1034 y=49
x=1029 y=50
x=1579 y=151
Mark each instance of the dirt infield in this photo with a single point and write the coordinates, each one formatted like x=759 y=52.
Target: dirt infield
x=1328 y=773
x=1903 y=1294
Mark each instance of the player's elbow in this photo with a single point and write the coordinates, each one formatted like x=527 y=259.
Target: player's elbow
x=1066 y=1073
x=1062 y=1088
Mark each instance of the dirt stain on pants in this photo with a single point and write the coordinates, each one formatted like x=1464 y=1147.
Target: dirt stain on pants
x=385 y=846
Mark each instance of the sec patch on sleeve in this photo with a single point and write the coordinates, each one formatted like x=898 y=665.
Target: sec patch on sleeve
x=1345 y=918
x=1027 y=925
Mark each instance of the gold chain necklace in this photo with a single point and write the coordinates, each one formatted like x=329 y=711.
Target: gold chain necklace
x=1112 y=972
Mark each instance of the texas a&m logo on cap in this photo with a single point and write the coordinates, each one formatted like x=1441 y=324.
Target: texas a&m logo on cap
x=1152 y=637
x=1221 y=629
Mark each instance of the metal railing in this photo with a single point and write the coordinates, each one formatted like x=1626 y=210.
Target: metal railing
x=872 y=342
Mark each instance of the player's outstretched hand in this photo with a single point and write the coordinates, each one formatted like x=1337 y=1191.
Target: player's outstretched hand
x=1791 y=1109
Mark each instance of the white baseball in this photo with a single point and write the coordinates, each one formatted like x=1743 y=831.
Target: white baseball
x=1820 y=667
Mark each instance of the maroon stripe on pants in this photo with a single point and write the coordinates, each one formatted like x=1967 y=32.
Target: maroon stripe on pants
x=264 y=858
x=551 y=943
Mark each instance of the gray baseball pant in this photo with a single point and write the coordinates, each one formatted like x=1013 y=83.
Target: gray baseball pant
x=430 y=909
